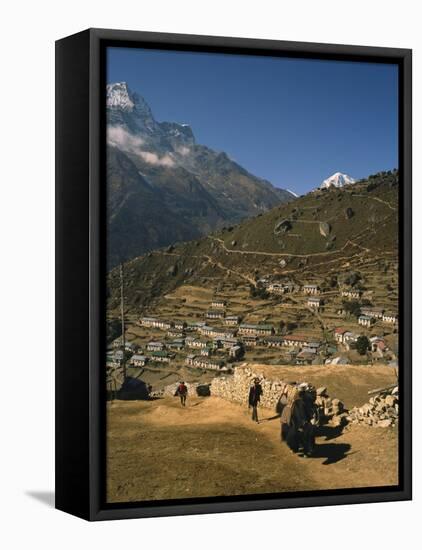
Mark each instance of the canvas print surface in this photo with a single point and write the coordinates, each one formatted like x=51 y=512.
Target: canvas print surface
x=252 y=275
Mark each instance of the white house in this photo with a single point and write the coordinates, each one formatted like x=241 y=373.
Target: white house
x=218 y=303
x=314 y=302
x=138 y=360
x=256 y=330
x=339 y=334
x=155 y=346
x=366 y=320
x=390 y=318
x=152 y=322
x=351 y=293
x=374 y=312
x=311 y=289
x=215 y=314
x=232 y=320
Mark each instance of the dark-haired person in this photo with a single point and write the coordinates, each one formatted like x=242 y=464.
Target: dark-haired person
x=255 y=393
x=182 y=392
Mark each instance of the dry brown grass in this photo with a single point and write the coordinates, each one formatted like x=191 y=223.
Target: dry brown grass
x=159 y=450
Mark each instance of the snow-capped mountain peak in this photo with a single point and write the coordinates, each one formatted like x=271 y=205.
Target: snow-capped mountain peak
x=118 y=97
x=337 y=180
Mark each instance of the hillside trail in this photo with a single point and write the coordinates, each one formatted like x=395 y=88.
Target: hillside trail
x=377 y=199
x=243 y=276
x=220 y=450
x=284 y=254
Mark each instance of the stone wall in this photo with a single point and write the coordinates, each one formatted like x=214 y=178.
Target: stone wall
x=235 y=387
x=381 y=411
x=194 y=389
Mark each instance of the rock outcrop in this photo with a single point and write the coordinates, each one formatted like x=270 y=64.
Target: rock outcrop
x=283 y=226
x=324 y=228
x=382 y=410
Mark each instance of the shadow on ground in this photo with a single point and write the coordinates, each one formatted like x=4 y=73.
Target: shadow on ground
x=270 y=418
x=329 y=432
x=45 y=497
x=332 y=452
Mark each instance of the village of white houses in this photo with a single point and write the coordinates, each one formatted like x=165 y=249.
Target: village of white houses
x=252 y=331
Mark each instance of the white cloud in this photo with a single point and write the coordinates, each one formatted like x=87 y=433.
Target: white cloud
x=152 y=158
x=121 y=138
x=124 y=140
x=183 y=150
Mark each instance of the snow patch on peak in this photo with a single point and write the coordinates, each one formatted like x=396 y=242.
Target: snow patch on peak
x=118 y=96
x=337 y=180
x=292 y=193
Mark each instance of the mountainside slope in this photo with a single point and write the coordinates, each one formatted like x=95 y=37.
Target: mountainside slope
x=182 y=190
x=311 y=239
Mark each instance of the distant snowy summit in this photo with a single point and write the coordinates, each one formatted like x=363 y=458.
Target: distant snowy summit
x=337 y=180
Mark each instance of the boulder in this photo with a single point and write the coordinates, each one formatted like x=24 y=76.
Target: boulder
x=340 y=420
x=324 y=228
x=203 y=390
x=385 y=423
x=282 y=226
x=172 y=270
x=390 y=400
x=348 y=213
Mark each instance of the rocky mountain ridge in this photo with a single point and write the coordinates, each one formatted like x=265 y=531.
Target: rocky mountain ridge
x=163 y=187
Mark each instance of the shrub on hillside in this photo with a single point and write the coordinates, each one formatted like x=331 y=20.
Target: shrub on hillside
x=362 y=345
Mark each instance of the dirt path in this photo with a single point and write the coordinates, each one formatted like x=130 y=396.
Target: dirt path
x=159 y=450
x=378 y=200
x=231 y=271
x=283 y=254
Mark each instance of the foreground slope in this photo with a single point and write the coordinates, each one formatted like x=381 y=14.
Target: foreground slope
x=211 y=448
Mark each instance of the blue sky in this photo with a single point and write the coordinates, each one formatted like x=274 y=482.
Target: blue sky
x=291 y=121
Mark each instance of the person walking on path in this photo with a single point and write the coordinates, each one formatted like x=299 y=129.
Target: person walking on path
x=293 y=418
x=182 y=392
x=311 y=421
x=255 y=393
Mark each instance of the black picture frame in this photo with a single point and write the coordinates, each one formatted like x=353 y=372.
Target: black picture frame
x=80 y=272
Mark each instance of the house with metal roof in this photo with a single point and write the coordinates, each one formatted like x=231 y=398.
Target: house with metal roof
x=155 y=346
x=366 y=320
x=256 y=330
x=138 y=360
x=311 y=289
x=162 y=356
